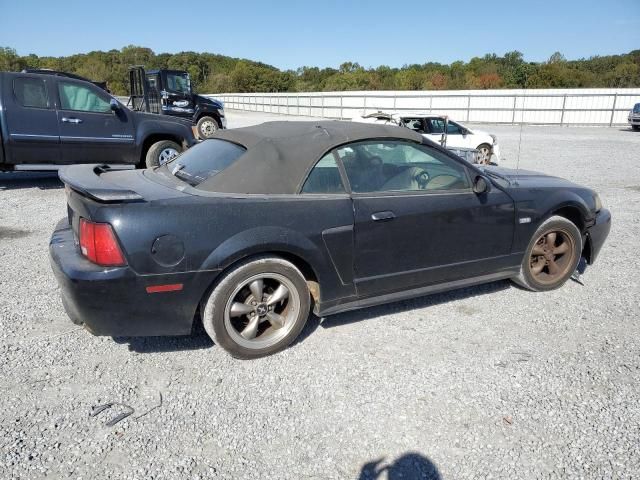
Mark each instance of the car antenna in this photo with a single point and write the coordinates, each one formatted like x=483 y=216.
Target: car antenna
x=524 y=99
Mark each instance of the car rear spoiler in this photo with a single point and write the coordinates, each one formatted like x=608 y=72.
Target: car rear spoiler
x=87 y=180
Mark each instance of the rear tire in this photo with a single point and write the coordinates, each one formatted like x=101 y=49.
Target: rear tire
x=161 y=152
x=635 y=128
x=258 y=308
x=552 y=255
x=207 y=126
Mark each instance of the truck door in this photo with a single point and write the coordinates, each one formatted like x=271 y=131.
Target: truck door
x=90 y=132
x=31 y=120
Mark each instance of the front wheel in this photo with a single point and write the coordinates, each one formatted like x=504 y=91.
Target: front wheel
x=258 y=308
x=552 y=255
x=207 y=126
x=635 y=128
x=485 y=151
x=161 y=152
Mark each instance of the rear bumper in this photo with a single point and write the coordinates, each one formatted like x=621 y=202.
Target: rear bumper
x=597 y=233
x=114 y=301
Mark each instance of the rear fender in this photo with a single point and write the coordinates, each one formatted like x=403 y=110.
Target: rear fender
x=276 y=240
x=262 y=240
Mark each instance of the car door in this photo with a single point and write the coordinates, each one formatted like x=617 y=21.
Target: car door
x=435 y=127
x=31 y=121
x=90 y=132
x=417 y=220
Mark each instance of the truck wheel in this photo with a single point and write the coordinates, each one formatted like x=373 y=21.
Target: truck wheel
x=161 y=152
x=207 y=126
x=635 y=127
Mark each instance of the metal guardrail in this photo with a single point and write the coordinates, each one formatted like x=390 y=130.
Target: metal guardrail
x=571 y=107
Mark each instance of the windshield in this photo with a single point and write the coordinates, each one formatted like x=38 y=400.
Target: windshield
x=179 y=83
x=636 y=108
x=203 y=161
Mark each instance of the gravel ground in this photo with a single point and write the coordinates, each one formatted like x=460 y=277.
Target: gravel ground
x=484 y=382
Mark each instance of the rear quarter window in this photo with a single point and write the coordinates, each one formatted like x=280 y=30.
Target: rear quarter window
x=31 y=92
x=205 y=160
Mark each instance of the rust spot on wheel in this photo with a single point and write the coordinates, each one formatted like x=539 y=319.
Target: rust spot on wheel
x=552 y=256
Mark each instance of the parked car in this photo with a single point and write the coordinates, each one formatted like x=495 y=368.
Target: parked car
x=634 y=117
x=50 y=120
x=257 y=226
x=441 y=129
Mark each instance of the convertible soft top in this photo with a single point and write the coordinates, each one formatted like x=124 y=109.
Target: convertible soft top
x=280 y=154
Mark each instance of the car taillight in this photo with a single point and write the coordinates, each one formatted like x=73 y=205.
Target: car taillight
x=98 y=243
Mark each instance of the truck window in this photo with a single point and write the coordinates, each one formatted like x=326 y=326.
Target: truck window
x=81 y=98
x=179 y=83
x=31 y=92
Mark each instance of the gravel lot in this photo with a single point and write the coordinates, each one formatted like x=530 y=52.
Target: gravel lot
x=485 y=382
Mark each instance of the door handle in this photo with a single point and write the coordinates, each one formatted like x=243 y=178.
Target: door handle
x=382 y=216
x=71 y=120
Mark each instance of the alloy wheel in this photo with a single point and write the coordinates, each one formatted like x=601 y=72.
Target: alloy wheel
x=552 y=256
x=262 y=310
x=166 y=155
x=485 y=155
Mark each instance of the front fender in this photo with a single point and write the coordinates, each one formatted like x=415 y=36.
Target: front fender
x=206 y=109
x=148 y=127
x=532 y=211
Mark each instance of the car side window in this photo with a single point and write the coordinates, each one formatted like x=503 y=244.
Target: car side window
x=436 y=126
x=31 y=92
x=453 y=128
x=324 y=177
x=81 y=98
x=399 y=166
x=414 y=124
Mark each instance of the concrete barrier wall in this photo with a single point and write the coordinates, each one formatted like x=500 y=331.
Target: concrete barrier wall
x=599 y=106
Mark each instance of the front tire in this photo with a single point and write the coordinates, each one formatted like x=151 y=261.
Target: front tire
x=552 y=255
x=485 y=154
x=207 y=126
x=635 y=128
x=161 y=152
x=258 y=308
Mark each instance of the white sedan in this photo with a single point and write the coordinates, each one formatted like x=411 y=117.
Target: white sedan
x=432 y=127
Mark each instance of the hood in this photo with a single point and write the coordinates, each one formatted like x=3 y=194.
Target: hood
x=526 y=178
x=211 y=101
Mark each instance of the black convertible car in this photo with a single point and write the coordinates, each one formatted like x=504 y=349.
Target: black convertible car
x=252 y=229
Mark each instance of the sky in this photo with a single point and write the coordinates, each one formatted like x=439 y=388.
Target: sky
x=289 y=34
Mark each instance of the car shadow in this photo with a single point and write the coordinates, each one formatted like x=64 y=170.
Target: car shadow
x=20 y=180
x=196 y=341
x=199 y=340
x=408 y=466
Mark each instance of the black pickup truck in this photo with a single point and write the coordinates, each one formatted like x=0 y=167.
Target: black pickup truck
x=47 y=121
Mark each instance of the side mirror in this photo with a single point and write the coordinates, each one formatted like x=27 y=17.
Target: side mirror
x=481 y=185
x=115 y=106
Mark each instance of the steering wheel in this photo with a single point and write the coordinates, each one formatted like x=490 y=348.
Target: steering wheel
x=441 y=181
x=423 y=179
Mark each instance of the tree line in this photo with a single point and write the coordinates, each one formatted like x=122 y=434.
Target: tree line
x=212 y=73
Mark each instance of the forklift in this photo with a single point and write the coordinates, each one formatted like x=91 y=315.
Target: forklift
x=169 y=92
